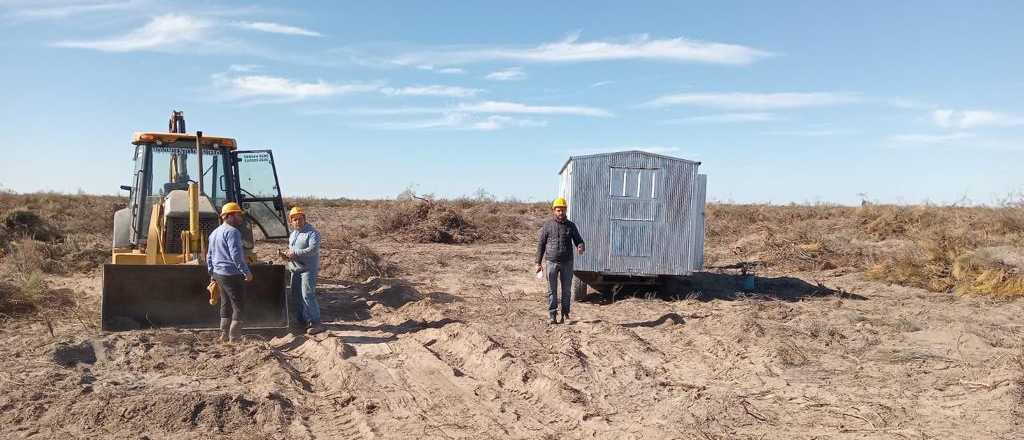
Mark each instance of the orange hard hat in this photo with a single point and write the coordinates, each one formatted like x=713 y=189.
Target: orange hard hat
x=296 y=211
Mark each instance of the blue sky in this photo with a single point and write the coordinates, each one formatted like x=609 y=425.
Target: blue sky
x=789 y=102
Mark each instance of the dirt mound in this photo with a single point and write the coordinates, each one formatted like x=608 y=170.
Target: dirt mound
x=27 y=223
x=392 y=293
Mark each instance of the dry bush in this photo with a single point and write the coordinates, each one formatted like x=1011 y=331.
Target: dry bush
x=28 y=292
x=28 y=256
x=992 y=271
x=932 y=247
x=69 y=213
x=23 y=222
x=459 y=221
x=353 y=260
x=72 y=231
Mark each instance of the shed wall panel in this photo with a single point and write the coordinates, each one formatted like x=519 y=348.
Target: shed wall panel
x=657 y=229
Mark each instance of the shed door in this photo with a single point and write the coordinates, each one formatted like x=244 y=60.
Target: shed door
x=635 y=207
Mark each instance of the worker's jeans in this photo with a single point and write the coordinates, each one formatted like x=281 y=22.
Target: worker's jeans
x=558 y=272
x=303 y=297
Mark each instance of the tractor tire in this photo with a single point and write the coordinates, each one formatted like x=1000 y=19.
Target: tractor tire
x=579 y=289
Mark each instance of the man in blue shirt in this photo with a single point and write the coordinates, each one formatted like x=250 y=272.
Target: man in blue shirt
x=225 y=260
x=304 y=262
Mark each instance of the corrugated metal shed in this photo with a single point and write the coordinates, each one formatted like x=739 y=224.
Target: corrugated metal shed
x=640 y=213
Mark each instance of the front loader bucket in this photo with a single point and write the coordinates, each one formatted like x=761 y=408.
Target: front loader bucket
x=174 y=295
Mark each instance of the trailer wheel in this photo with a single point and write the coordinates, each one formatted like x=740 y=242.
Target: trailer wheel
x=579 y=289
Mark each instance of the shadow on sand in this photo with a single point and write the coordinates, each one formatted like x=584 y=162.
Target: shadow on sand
x=708 y=286
x=344 y=304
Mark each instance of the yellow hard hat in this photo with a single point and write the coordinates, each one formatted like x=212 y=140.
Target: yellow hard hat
x=230 y=208
x=559 y=203
x=296 y=211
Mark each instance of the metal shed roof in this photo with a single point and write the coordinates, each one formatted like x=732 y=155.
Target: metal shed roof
x=645 y=153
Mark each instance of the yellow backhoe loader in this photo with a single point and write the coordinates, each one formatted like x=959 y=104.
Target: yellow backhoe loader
x=157 y=275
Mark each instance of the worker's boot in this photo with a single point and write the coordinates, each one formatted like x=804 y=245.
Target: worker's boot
x=235 y=334
x=314 y=328
x=225 y=325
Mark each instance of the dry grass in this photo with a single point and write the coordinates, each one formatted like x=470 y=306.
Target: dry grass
x=968 y=250
x=49 y=234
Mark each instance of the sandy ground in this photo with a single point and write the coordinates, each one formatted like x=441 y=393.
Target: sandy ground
x=457 y=346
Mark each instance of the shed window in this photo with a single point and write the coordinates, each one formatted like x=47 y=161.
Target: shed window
x=637 y=183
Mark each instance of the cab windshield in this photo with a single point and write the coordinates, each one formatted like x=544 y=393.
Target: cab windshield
x=175 y=165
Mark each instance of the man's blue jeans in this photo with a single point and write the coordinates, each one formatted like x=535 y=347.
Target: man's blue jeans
x=558 y=273
x=303 y=297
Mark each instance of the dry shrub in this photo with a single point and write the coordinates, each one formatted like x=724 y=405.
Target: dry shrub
x=72 y=231
x=353 y=260
x=931 y=247
x=458 y=221
x=79 y=213
x=26 y=293
x=930 y=263
x=21 y=221
x=990 y=271
x=425 y=221
x=28 y=256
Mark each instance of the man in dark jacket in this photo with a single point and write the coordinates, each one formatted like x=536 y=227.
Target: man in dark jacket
x=554 y=249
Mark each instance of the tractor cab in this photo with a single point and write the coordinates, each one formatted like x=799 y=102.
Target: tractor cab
x=163 y=165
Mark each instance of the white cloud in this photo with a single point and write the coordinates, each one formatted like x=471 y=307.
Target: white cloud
x=497 y=122
x=930 y=138
x=275 y=89
x=807 y=133
x=724 y=118
x=756 y=101
x=447 y=70
x=166 y=32
x=490 y=107
x=571 y=49
x=64 y=9
x=968 y=119
x=433 y=90
x=906 y=104
x=276 y=28
x=458 y=121
x=265 y=88
x=244 y=67
x=510 y=74
x=602 y=83
x=517 y=108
